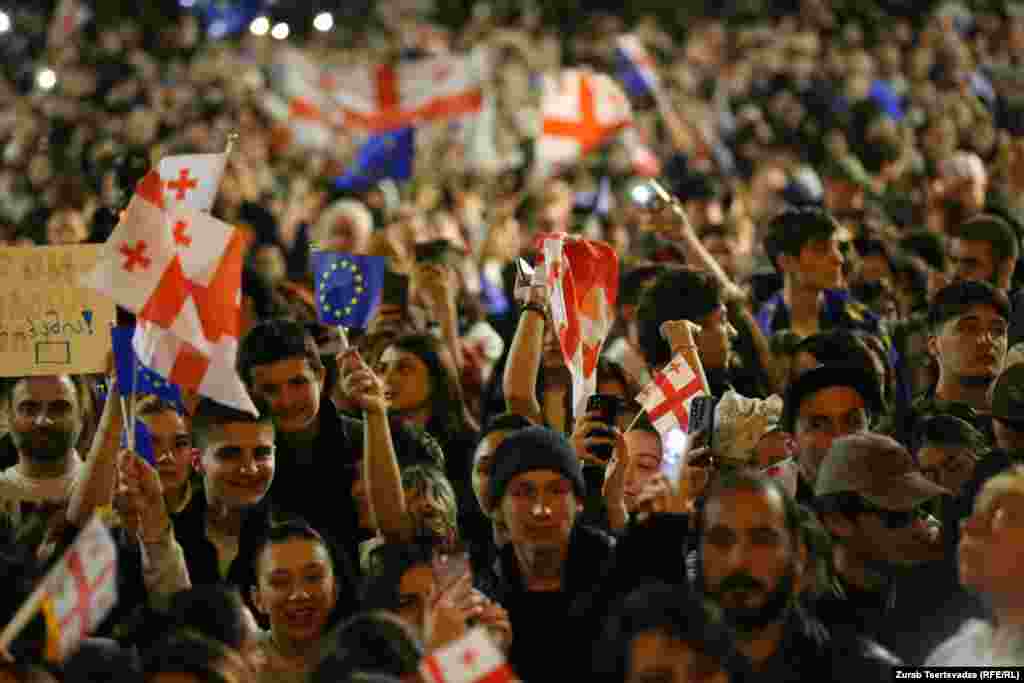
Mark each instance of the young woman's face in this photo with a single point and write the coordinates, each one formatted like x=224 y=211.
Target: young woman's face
x=406 y=379
x=296 y=588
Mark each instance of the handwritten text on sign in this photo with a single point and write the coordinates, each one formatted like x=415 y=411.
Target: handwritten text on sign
x=48 y=324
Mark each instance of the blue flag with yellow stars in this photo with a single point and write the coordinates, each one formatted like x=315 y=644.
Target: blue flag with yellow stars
x=386 y=155
x=143 y=441
x=133 y=376
x=348 y=287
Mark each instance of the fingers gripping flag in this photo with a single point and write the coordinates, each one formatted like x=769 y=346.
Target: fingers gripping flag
x=583 y=278
x=666 y=400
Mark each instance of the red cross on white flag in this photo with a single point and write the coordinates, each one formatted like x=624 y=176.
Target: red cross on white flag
x=180 y=271
x=472 y=659
x=666 y=400
x=581 y=111
x=192 y=179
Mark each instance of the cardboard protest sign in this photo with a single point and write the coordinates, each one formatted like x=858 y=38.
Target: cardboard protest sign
x=48 y=323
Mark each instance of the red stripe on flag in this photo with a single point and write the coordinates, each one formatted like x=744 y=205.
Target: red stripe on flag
x=434 y=669
x=387 y=88
x=218 y=302
x=675 y=399
x=503 y=674
x=301 y=108
x=453 y=105
x=588 y=130
x=167 y=300
x=189 y=367
x=151 y=188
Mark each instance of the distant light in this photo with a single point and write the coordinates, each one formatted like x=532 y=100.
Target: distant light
x=280 y=31
x=259 y=26
x=5 y=22
x=46 y=79
x=323 y=22
x=187 y=3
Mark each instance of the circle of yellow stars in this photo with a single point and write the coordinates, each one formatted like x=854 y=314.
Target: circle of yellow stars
x=357 y=277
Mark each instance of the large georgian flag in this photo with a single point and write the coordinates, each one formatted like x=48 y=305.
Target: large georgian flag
x=581 y=111
x=583 y=279
x=179 y=270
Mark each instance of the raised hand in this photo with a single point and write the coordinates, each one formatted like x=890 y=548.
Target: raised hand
x=590 y=430
x=140 y=497
x=361 y=384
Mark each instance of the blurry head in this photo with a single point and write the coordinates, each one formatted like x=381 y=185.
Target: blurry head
x=268 y=260
x=172 y=441
x=371 y=646
x=948 y=449
x=803 y=245
x=45 y=417
x=983 y=248
x=296 y=588
x=752 y=559
x=430 y=500
x=279 y=362
x=401 y=580
x=660 y=633
x=992 y=541
x=219 y=613
x=483 y=457
x=344 y=226
x=1008 y=407
x=965 y=180
x=66 y=226
x=189 y=656
x=825 y=403
x=702 y=304
x=968 y=325
x=236 y=453
x=871 y=491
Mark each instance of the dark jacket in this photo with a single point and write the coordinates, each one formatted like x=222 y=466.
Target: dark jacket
x=809 y=652
x=546 y=645
x=315 y=483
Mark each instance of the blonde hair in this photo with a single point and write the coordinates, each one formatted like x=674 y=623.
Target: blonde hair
x=1009 y=482
x=348 y=208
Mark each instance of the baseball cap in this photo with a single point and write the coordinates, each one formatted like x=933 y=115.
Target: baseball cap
x=1008 y=395
x=823 y=376
x=878 y=468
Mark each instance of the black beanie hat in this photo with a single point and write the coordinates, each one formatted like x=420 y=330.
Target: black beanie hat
x=534 y=448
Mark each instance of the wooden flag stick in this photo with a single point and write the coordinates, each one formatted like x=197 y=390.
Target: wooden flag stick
x=232 y=139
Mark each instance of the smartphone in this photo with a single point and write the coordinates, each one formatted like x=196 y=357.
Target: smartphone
x=608 y=407
x=449 y=566
x=702 y=419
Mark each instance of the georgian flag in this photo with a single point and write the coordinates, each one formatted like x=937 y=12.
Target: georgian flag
x=666 y=399
x=179 y=271
x=192 y=179
x=583 y=279
x=474 y=658
x=581 y=110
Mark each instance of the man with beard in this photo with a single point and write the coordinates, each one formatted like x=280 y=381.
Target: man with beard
x=45 y=422
x=753 y=565
x=869 y=493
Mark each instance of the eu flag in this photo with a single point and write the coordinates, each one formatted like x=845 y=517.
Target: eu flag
x=133 y=376
x=386 y=155
x=143 y=441
x=348 y=287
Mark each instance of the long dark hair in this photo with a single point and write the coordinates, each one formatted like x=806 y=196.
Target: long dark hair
x=449 y=415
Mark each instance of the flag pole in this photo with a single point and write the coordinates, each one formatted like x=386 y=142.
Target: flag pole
x=134 y=399
x=22 y=617
x=232 y=139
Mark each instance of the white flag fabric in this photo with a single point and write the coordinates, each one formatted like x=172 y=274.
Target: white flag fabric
x=666 y=399
x=192 y=179
x=80 y=590
x=474 y=658
x=581 y=110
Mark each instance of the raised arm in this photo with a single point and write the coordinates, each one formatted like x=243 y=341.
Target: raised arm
x=520 y=380
x=380 y=465
x=96 y=482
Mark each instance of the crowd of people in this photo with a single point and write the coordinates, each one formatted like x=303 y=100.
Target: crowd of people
x=843 y=275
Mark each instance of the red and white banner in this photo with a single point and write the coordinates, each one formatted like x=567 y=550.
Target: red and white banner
x=583 y=276
x=581 y=111
x=192 y=179
x=180 y=271
x=474 y=658
x=666 y=400
x=381 y=97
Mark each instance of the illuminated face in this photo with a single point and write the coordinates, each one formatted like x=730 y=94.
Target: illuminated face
x=406 y=379
x=971 y=345
x=645 y=456
x=238 y=463
x=172 y=447
x=296 y=589
x=45 y=417
x=819 y=264
x=992 y=546
x=292 y=389
x=972 y=260
x=824 y=416
x=414 y=591
x=539 y=508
